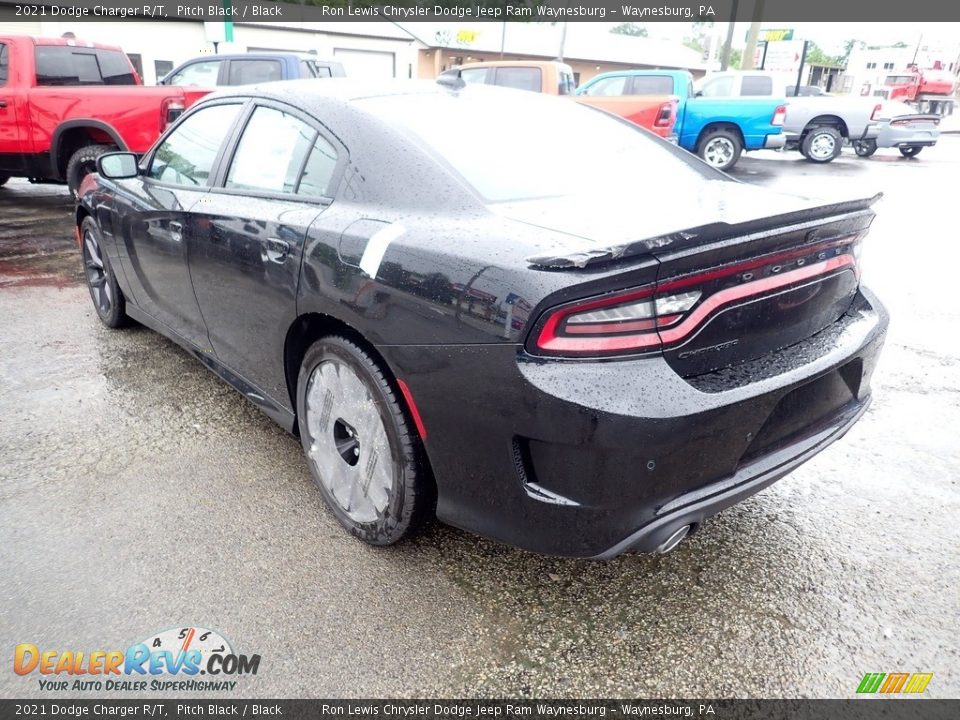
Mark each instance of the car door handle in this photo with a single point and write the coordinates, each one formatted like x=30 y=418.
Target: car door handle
x=277 y=250
x=176 y=231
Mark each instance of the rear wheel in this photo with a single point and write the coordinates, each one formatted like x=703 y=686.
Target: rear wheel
x=912 y=151
x=360 y=447
x=107 y=297
x=822 y=144
x=720 y=148
x=82 y=163
x=864 y=148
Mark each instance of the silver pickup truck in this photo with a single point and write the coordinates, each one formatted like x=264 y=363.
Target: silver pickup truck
x=817 y=126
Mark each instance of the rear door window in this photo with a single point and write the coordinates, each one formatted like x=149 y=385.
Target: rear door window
x=520 y=78
x=187 y=155
x=253 y=72
x=198 y=74
x=718 y=87
x=272 y=153
x=71 y=66
x=756 y=85
x=651 y=85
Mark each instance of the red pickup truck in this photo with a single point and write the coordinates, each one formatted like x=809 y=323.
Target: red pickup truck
x=64 y=102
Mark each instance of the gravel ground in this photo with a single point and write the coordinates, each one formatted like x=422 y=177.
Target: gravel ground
x=138 y=492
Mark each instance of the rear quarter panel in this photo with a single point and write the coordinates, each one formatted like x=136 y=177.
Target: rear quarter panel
x=638 y=109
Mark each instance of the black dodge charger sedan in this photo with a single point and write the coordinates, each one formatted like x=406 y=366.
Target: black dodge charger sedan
x=534 y=320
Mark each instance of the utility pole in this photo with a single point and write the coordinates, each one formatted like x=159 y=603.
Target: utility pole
x=725 y=54
x=563 y=40
x=751 y=49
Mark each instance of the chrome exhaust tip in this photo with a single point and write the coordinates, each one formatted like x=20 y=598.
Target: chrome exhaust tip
x=671 y=542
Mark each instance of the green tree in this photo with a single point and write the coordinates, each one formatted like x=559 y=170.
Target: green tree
x=736 y=57
x=629 y=28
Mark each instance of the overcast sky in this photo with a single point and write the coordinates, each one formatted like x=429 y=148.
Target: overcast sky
x=829 y=36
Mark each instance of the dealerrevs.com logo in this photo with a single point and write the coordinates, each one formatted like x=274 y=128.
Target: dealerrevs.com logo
x=171 y=660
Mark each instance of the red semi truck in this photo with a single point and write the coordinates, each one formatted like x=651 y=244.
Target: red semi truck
x=64 y=102
x=931 y=90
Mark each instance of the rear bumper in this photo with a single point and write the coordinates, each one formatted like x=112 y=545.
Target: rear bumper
x=591 y=459
x=775 y=142
x=895 y=137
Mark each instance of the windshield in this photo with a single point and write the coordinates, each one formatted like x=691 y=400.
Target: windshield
x=512 y=145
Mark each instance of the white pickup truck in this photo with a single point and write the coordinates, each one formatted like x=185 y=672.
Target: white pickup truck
x=817 y=126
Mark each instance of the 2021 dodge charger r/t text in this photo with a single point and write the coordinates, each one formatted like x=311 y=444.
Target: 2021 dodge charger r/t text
x=529 y=318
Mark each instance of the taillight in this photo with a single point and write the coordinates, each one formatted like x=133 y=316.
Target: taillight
x=170 y=110
x=779 y=116
x=664 y=115
x=875 y=115
x=646 y=319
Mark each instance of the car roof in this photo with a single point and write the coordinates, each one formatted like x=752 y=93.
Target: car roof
x=73 y=42
x=258 y=55
x=343 y=89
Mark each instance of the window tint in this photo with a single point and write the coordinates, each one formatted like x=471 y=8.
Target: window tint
x=251 y=72
x=271 y=152
x=608 y=87
x=4 y=64
x=319 y=170
x=718 y=87
x=757 y=85
x=186 y=156
x=521 y=78
x=651 y=85
x=65 y=65
x=198 y=74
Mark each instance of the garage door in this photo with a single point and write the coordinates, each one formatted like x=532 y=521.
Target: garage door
x=367 y=64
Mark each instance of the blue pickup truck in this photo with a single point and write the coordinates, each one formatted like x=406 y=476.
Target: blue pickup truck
x=718 y=129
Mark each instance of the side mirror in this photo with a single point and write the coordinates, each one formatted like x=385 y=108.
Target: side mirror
x=118 y=165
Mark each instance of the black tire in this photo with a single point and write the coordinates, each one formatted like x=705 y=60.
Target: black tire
x=864 y=148
x=82 y=163
x=911 y=151
x=3 y=180
x=359 y=421
x=822 y=144
x=108 y=300
x=720 y=148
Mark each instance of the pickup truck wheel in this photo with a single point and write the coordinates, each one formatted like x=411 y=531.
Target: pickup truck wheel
x=107 y=297
x=864 y=148
x=822 y=144
x=3 y=180
x=912 y=151
x=82 y=163
x=720 y=148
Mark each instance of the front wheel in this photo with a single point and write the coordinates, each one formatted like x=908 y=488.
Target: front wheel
x=361 y=449
x=82 y=163
x=912 y=151
x=107 y=297
x=864 y=148
x=720 y=148
x=822 y=144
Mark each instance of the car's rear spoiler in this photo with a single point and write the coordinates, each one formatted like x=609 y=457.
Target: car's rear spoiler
x=596 y=255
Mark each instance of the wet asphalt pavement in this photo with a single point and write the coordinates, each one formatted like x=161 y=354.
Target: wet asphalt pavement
x=138 y=493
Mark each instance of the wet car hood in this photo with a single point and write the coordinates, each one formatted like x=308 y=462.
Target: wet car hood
x=601 y=228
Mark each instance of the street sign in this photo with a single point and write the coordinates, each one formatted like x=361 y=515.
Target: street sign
x=783 y=56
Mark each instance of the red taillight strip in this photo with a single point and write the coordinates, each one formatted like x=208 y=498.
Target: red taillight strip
x=756 y=287
x=412 y=406
x=701 y=277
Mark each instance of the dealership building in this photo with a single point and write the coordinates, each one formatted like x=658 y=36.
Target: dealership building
x=378 y=49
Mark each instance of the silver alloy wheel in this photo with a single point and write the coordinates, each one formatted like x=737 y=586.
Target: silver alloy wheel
x=719 y=151
x=349 y=447
x=97 y=277
x=823 y=146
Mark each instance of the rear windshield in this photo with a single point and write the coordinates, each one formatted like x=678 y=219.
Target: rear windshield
x=559 y=148
x=66 y=65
